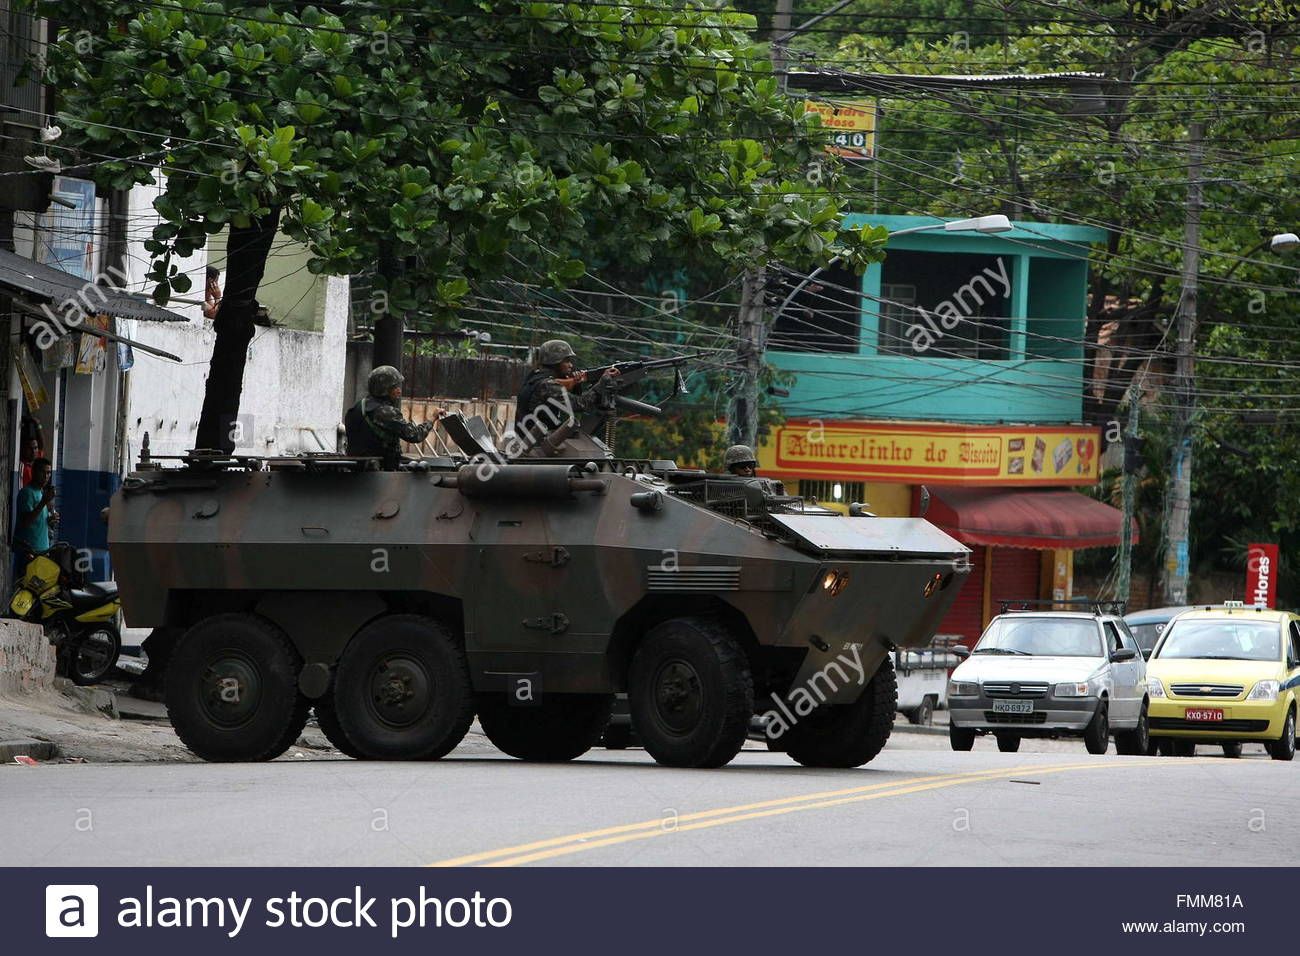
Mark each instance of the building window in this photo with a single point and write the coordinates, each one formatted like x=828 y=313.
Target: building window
x=945 y=305
x=833 y=492
x=826 y=315
x=897 y=312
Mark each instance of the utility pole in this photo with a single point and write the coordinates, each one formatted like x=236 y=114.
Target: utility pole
x=742 y=415
x=1179 y=496
x=1124 y=584
x=742 y=419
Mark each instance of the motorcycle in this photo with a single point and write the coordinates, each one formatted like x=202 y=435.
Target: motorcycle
x=80 y=617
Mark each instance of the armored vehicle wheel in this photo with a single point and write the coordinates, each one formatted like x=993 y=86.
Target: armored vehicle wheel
x=691 y=693
x=402 y=690
x=232 y=689
x=562 y=727
x=848 y=735
x=328 y=719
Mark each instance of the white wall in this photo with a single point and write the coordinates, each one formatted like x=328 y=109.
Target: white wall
x=293 y=382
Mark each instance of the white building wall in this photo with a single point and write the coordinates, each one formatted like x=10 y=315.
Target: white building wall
x=293 y=382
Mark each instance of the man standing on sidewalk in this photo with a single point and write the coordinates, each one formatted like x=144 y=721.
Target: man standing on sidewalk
x=35 y=509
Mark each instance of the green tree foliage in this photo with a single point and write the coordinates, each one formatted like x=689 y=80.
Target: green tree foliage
x=1117 y=158
x=451 y=142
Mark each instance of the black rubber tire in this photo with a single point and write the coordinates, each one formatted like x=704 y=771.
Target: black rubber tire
x=1183 y=748
x=1096 y=736
x=1164 y=746
x=93 y=653
x=1135 y=742
x=1284 y=747
x=848 y=735
x=961 y=738
x=425 y=708
x=1008 y=743
x=617 y=737
x=1231 y=749
x=328 y=719
x=923 y=715
x=702 y=670
x=269 y=712
x=561 y=727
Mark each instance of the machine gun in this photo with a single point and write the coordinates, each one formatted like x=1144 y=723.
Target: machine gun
x=609 y=387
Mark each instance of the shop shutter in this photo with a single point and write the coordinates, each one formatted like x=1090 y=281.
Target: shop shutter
x=965 y=617
x=1016 y=575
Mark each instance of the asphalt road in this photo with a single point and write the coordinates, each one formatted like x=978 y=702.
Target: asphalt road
x=916 y=804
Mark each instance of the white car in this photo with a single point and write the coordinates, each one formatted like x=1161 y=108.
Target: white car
x=1052 y=674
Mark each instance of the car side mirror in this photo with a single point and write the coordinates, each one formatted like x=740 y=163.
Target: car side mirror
x=1122 y=654
x=961 y=651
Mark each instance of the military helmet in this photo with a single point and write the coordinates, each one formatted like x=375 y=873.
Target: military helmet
x=382 y=381
x=554 y=352
x=739 y=455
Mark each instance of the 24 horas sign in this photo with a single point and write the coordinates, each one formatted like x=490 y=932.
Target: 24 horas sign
x=942 y=454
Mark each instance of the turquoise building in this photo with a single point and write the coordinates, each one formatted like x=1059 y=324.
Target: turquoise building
x=956 y=365
x=1014 y=350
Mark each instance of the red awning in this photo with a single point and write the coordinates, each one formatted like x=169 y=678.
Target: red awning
x=1040 y=519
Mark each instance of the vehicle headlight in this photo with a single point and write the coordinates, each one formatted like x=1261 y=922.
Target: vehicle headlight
x=963 y=688
x=1079 y=689
x=1154 y=687
x=1264 y=690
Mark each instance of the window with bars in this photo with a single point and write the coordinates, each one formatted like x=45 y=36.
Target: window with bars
x=945 y=305
x=833 y=492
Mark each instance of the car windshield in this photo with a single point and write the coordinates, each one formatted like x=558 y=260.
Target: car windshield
x=1147 y=634
x=1221 y=640
x=1044 y=636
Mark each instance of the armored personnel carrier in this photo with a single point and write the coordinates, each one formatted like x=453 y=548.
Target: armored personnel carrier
x=524 y=590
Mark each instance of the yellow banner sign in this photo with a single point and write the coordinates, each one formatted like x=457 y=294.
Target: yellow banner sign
x=942 y=454
x=850 y=127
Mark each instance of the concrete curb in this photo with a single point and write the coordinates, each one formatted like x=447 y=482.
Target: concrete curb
x=36 y=749
x=917 y=729
x=92 y=700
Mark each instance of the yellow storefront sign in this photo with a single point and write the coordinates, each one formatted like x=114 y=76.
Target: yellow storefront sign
x=850 y=126
x=941 y=454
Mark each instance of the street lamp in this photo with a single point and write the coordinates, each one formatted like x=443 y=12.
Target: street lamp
x=1284 y=242
x=986 y=225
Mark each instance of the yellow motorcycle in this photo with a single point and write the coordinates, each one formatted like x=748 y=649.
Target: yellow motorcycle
x=80 y=618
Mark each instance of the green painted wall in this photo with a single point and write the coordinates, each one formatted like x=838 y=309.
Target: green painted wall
x=1040 y=379
x=293 y=297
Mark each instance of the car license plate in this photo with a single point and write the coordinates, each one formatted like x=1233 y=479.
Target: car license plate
x=1205 y=714
x=1013 y=707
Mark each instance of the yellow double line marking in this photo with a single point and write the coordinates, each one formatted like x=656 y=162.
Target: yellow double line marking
x=705 y=819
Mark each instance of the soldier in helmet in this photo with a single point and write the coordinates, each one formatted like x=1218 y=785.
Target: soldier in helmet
x=740 y=460
x=553 y=389
x=375 y=426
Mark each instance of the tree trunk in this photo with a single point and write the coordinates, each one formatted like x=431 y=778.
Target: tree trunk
x=246 y=254
x=389 y=327
x=388 y=341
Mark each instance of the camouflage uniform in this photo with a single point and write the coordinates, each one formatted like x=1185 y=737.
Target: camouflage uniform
x=740 y=460
x=375 y=426
x=543 y=403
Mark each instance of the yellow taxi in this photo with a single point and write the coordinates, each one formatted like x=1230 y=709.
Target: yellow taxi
x=1225 y=675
